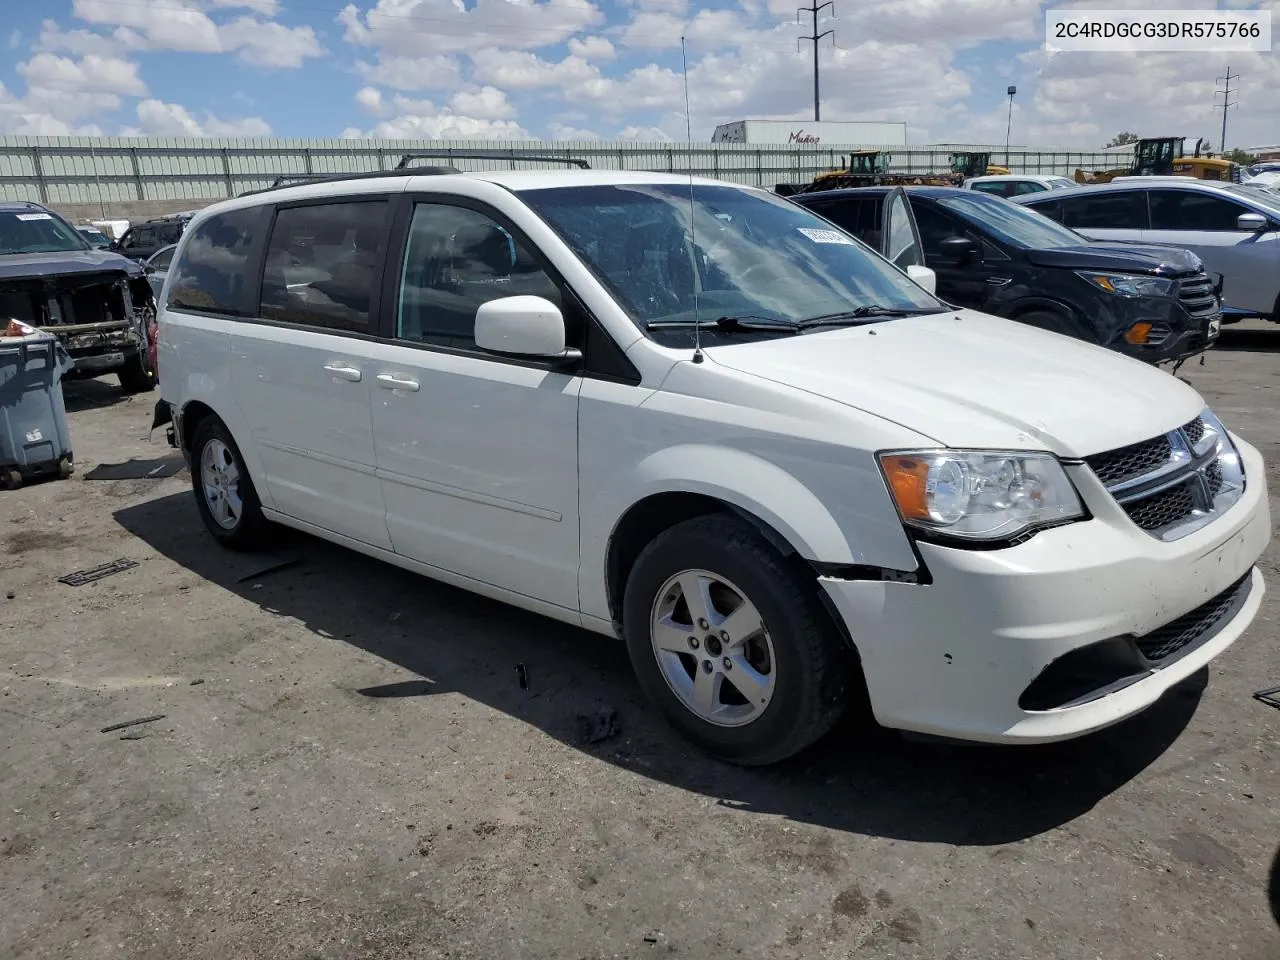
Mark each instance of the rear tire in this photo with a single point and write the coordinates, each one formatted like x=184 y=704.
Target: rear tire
x=136 y=376
x=767 y=674
x=225 y=494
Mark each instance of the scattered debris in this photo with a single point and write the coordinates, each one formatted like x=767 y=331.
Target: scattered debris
x=157 y=469
x=1270 y=697
x=650 y=939
x=523 y=673
x=196 y=683
x=9 y=595
x=273 y=567
x=80 y=577
x=599 y=727
x=135 y=736
x=132 y=723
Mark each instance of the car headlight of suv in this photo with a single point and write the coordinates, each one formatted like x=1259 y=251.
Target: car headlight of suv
x=1131 y=285
x=980 y=495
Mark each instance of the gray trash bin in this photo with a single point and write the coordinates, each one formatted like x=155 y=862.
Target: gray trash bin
x=34 y=440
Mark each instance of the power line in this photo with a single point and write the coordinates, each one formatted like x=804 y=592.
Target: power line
x=814 y=10
x=1227 y=102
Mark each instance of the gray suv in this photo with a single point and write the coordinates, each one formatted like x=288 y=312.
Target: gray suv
x=1233 y=229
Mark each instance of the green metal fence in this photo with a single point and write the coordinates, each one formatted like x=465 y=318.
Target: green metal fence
x=85 y=170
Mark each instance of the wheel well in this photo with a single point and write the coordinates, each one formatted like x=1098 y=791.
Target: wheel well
x=656 y=514
x=193 y=414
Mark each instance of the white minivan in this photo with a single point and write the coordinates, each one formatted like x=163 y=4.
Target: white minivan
x=702 y=419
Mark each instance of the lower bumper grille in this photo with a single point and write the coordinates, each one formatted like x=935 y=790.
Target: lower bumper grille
x=1172 y=637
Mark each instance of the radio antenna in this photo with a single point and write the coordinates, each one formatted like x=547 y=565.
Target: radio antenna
x=693 y=236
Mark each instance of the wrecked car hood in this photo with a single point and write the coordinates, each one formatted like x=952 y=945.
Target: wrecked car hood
x=1125 y=257
x=971 y=380
x=62 y=263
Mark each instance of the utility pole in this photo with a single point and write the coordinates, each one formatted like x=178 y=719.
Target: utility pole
x=1226 y=102
x=815 y=10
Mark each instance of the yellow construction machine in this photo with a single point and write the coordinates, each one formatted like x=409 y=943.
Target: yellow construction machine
x=1166 y=157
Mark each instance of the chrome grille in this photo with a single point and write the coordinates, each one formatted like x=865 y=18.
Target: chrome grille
x=1173 y=485
x=1197 y=296
x=1174 y=636
x=1126 y=463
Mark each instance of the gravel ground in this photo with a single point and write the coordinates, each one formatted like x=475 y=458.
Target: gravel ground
x=348 y=767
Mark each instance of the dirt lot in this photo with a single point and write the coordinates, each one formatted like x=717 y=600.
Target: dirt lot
x=348 y=767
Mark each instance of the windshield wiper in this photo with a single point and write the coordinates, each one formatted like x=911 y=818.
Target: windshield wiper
x=867 y=314
x=729 y=323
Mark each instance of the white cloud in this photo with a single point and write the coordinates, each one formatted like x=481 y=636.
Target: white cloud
x=422 y=120
x=668 y=6
x=51 y=113
x=160 y=119
x=265 y=8
x=79 y=42
x=92 y=74
x=370 y=100
x=521 y=70
x=560 y=131
x=418 y=27
x=165 y=24
x=269 y=44
x=412 y=73
x=707 y=29
x=592 y=48
x=643 y=134
x=487 y=103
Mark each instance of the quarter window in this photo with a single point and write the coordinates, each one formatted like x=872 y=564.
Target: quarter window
x=1192 y=210
x=323 y=264
x=1106 y=211
x=211 y=275
x=457 y=259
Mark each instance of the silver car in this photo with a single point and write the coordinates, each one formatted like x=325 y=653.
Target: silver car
x=1234 y=229
x=157 y=267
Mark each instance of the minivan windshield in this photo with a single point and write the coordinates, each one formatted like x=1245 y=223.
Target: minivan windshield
x=36 y=231
x=678 y=254
x=1010 y=222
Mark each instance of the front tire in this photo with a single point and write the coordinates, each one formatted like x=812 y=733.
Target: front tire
x=136 y=376
x=731 y=643
x=225 y=494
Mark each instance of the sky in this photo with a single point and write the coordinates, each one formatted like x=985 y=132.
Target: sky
x=601 y=69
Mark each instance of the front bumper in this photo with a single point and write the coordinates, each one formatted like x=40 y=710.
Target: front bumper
x=954 y=657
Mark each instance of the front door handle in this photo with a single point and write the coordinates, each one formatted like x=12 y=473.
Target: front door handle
x=393 y=381
x=343 y=371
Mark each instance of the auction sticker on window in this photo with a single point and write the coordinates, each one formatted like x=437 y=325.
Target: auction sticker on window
x=824 y=236
x=34 y=216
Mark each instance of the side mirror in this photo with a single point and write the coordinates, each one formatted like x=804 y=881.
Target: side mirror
x=924 y=277
x=1253 y=222
x=960 y=249
x=523 y=327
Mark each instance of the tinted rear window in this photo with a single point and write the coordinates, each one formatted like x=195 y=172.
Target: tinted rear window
x=211 y=275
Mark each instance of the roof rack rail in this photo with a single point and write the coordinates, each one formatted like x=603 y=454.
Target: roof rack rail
x=302 y=179
x=486 y=155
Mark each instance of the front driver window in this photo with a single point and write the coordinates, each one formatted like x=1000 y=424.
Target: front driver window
x=456 y=260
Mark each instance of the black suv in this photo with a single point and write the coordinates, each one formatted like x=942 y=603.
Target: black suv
x=97 y=303
x=142 y=240
x=1155 y=303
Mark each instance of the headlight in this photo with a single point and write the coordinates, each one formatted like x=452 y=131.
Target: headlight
x=978 y=495
x=1131 y=285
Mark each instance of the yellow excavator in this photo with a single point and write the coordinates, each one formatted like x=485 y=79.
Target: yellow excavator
x=1166 y=157
x=965 y=165
x=871 y=168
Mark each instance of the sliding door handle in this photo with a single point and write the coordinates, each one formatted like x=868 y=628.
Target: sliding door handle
x=343 y=371
x=395 y=381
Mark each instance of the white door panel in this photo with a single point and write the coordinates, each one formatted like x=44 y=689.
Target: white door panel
x=305 y=395
x=478 y=460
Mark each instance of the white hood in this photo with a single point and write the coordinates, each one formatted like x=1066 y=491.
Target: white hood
x=970 y=380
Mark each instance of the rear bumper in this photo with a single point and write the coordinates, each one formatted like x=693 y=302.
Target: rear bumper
x=957 y=657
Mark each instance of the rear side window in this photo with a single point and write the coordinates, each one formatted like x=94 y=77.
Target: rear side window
x=999 y=187
x=211 y=275
x=1192 y=210
x=859 y=216
x=1106 y=211
x=323 y=263
x=167 y=233
x=1027 y=186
